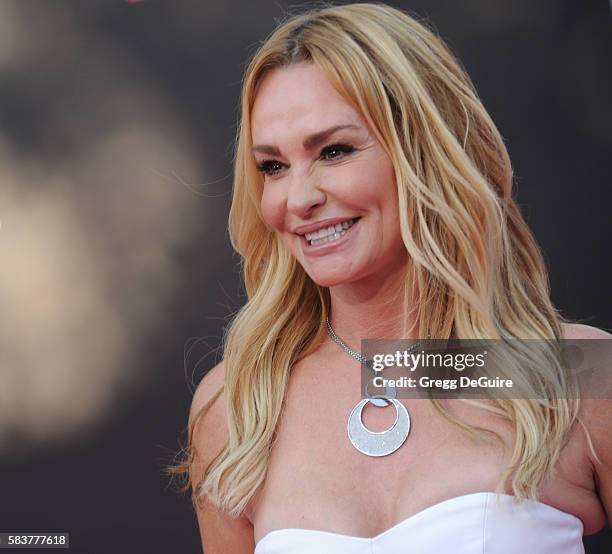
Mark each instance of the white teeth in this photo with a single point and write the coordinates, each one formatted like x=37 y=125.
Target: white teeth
x=330 y=233
x=328 y=238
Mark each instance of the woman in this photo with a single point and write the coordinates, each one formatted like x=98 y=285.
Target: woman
x=372 y=199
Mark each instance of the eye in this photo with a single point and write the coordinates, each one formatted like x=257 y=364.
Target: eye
x=345 y=148
x=272 y=167
x=268 y=168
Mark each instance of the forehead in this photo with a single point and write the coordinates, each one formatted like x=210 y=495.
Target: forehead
x=298 y=100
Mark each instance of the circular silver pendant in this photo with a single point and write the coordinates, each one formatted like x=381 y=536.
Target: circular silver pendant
x=378 y=443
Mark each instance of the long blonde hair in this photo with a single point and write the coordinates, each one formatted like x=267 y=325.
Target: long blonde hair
x=476 y=266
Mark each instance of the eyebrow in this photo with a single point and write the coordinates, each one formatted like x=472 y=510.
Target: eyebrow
x=309 y=142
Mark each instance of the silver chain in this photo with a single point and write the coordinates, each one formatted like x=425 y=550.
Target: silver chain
x=343 y=345
x=359 y=357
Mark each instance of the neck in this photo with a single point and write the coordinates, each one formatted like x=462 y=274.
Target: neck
x=373 y=309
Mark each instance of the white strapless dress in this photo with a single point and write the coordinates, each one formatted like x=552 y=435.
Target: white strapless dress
x=477 y=523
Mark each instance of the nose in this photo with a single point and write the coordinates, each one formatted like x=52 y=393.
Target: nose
x=304 y=195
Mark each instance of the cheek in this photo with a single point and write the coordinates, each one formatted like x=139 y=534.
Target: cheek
x=272 y=209
x=388 y=189
x=376 y=189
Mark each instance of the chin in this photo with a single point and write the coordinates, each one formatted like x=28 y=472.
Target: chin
x=329 y=280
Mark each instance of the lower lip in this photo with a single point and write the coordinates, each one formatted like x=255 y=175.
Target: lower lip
x=322 y=249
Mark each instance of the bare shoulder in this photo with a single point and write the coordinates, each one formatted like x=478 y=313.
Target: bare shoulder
x=209 y=386
x=219 y=532
x=207 y=416
x=582 y=331
x=596 y=414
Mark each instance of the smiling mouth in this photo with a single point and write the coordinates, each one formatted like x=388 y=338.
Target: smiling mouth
x=329 y=234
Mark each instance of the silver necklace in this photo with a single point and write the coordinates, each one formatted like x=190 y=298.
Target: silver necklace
x=374 y=443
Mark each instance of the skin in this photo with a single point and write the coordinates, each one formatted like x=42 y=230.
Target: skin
x=308 y=185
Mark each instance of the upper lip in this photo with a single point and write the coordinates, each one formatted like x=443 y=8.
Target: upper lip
x=323 y=224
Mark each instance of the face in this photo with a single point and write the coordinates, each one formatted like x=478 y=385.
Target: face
x=330 y=195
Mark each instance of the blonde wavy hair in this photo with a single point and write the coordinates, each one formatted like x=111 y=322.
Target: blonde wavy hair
x=476 y=266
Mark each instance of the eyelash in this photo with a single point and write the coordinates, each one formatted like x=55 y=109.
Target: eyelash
x=264 y=166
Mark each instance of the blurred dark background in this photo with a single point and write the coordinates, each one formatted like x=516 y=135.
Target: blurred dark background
x=117 y=122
